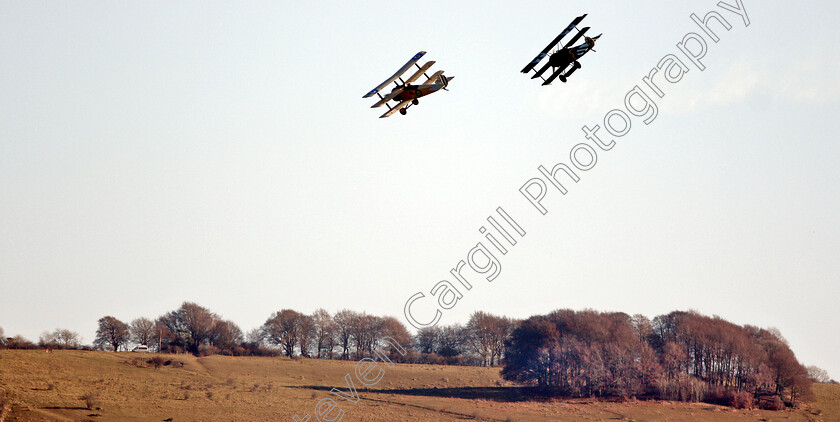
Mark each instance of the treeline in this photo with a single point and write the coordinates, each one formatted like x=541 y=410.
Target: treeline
x=345 y=335
x=679 y=356
x=56 y=339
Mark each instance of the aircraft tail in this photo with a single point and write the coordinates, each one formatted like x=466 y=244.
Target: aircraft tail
x=444 y=80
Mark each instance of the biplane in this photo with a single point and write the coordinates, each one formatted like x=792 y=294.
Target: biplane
x=564 y=58
x=406 y=94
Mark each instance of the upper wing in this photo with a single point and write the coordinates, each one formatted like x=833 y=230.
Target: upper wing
x=396 y=75
x=419 y=72
x=576 y=37
x=395 y=109
x=543 y=53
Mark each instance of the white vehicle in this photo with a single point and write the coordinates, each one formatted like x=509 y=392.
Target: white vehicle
x=141 y=348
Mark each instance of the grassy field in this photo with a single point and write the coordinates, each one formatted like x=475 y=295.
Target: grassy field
x=102 y=386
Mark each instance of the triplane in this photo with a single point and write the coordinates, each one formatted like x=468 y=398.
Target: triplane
x=405 y=93
x=565 y=56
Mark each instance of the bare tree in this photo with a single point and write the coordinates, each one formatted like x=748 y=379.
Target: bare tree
x=366 y=330
x=479 y=337
x=501 y=330
x=20 y=342
x=225 y=335
x=642 y=326
x=485 y=336
x=324 y=333
x=818 y=374
x=166 y=333
x=306 y=335
x=187 y=327
x=142 y=331
x=111 y=332
x=343 y=333
x=48 y=339
x=255 y=336
x=450 y=343
x=427 y=339
x=197 y=322
x=68 y=339
x=282 y=329
x=396 y=331
x=60 y=339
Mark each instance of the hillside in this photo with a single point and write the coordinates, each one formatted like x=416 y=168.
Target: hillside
x=50 y=386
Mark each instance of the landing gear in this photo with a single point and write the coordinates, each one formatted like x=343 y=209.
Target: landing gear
x=415 y=101
x=404 y=110
x=575 y=66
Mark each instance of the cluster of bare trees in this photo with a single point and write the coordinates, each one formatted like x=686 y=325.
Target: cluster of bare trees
x=480 y=342
x=352 y=335
x=678 y=356
x=195 y=329
x=56 y=339
x=190 y=328
x=60 y=339
x=345 y=335
x=739 y=358
x=818 y=374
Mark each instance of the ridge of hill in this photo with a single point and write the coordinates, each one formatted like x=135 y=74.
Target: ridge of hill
x=72 y=385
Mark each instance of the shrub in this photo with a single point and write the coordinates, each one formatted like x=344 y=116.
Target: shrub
x=155 y=362
x=724 y=397
x=718 y=395
x=91 y=401
x=174 y=363
x=773 y=402
x=207 y=350
x=742 y=400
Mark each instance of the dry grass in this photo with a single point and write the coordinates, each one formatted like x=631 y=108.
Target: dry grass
x=102 y=386
x=827 y=406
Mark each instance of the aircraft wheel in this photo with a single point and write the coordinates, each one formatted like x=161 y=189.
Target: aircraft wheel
x=578 y=65
x=403 y=111
x=415 y=101
x=562 y=79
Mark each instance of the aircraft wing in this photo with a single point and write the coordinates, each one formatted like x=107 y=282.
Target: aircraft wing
x=432 y=78
x=419 y=72
x=576 y=37
x=388 y=97
x=395 y=109
x=543 y=53
x=399 y=73
x=541 y=71
x=554 y=76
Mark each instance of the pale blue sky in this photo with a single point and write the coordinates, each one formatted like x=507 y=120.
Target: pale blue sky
x=152 y=153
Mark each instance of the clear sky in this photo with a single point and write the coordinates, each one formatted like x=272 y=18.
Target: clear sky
x=221 y=153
